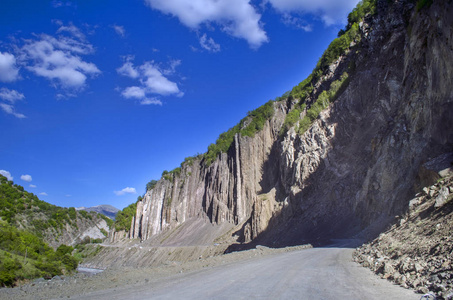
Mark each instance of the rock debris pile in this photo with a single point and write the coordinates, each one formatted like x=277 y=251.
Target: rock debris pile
x=417 y=251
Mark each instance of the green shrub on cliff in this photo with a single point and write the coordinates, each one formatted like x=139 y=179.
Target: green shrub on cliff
x=124 y=217
x=248 y=126
x=339 y=46
x=324 y=99
x=150 y=185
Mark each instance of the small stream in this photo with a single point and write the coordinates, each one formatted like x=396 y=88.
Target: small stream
x=89 y=271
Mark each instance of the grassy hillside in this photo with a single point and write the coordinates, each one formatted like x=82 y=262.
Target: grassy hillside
x=24 y=255
x=26 y=211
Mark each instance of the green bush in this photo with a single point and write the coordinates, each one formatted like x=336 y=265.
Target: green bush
x=124 y=217
x=255 y=121
x=150 y=185
x=23 y=255
x=8 y=269
x=361 y=10
x=324 y=99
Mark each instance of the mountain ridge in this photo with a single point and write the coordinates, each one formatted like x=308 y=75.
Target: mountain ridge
x=105 y=209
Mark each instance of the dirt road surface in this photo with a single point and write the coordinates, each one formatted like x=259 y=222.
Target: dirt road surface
x=318 y=273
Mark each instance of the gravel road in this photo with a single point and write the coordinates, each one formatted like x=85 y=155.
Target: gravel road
x=319 y=273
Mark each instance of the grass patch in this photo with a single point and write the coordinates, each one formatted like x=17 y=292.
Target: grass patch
x=323 y=101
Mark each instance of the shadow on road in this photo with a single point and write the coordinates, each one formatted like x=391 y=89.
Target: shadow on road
x=331 y=243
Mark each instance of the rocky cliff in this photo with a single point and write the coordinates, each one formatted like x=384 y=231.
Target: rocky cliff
x=355 y=167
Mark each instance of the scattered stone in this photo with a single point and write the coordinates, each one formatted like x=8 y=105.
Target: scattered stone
x=442 y=197
x=39 y=280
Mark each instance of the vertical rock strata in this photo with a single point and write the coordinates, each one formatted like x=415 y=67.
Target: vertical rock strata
x=358 y=164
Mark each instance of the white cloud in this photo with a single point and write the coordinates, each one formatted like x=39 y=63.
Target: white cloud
x=10 y=95
x=119 y=30
x=296 y=22
x=128 y=70
x=149 y=101
x=134 y=92
x=6 y=174
x=155 y=82
x=152 y=79
x=236 y=17
x=26 y=178
x=330 y=11
x=58 y=59
x=73 y=30
x=127 y=190
x=43 y=194
x=9 y=109
x=172 y=67
x=8 y=69
x=209 y=44
x=33 y=186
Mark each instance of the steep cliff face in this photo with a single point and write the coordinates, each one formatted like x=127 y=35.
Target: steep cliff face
x=224 y=191
x=358 y=164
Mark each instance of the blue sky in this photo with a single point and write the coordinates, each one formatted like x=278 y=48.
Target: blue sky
x=99 y=97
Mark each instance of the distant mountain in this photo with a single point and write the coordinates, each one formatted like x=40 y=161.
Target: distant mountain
x=105 y=209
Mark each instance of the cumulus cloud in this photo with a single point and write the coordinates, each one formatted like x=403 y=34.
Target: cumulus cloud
x=58 y=59
x=134 y=92
x=26 y=178
x=9 y=109
x=119 y=30
x=152 y=79
x=127 y=190
x=43 y=194
x=236 y=17
x=209 y=44
x=128 y=70
x=155 y=82
x=10 y=95
x=330 y=11
x=6 y=174
x=8 y=69
x=33 y=186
